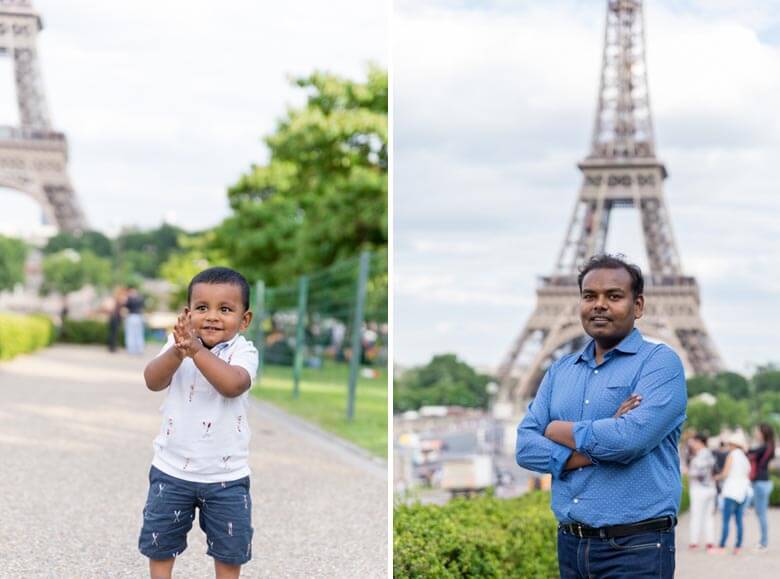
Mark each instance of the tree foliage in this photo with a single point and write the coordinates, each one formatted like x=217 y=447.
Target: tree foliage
x=725 y=413
x=12 y=255
x=68 y=271
x=142 y=252
x=196 y=253
x=445 y=380
x=322 y=196
x=93 y=241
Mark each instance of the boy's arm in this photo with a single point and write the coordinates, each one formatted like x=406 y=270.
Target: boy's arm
x=229 y=380
x=159 y=372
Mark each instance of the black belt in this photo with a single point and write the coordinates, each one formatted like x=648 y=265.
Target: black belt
x=585 y=532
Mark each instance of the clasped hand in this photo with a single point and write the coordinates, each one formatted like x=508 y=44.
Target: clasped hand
x=186 y=340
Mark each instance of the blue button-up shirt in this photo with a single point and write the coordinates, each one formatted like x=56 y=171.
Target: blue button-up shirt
x=635 y=473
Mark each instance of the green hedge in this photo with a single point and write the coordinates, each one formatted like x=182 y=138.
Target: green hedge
x=480 y=537
x=87 y=332
x=774 y=498
x=22 y=334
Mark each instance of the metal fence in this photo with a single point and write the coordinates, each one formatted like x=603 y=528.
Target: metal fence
x=337 y=314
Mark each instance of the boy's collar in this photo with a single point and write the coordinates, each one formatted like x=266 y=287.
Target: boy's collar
x=222 y=345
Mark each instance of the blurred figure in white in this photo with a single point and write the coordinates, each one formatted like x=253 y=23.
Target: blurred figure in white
x=134 y=322
x=736 y=488
x=701 y=487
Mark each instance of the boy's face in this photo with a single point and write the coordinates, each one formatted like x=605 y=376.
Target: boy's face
x=217 y=312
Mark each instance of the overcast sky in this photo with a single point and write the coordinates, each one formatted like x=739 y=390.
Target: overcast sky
x=494 y=105
x=164 y=103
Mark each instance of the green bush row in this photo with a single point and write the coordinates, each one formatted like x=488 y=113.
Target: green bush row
x=87 y=332
x=23 y=334
x=481 y=537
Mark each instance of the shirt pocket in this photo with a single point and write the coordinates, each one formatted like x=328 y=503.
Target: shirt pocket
x=614 y=396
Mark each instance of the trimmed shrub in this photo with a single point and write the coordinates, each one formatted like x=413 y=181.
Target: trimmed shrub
x=480 y=537
x=774 y=498
x=685 y=500
x=23 y=334
x=84 y=332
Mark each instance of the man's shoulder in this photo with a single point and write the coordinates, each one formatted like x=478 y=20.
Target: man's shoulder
x=660 y=353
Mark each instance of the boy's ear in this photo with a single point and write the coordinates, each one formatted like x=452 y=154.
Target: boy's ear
x=246 y=320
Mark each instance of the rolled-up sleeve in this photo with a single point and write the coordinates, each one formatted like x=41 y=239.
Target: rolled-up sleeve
x=634 y=434
x=533 y=450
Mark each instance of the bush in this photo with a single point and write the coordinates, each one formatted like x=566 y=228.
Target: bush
x=86 y=332
x=481 y=537
x=774 y=498
x=23 y=334
x=685 y=500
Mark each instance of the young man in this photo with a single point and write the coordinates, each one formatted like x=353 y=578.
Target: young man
x=201 y=453
x=606 y=422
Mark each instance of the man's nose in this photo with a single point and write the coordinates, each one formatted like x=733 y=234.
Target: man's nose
x=601 y=303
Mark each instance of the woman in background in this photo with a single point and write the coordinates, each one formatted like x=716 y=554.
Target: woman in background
x=702 y=491
x=736 y=488
x=760 y=457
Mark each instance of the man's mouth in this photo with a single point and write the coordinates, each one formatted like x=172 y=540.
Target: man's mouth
x=600 y=319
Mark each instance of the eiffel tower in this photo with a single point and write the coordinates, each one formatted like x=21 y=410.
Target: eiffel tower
x=620 y=171
x=34 y=157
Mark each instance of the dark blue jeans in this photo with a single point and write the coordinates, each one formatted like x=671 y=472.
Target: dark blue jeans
x=731 y=506
x=636 y=556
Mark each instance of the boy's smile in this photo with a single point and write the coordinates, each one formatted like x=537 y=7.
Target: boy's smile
x=217 y=312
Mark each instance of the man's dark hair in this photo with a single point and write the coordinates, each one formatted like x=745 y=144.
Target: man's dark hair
x=222 y=275
x=607 y=261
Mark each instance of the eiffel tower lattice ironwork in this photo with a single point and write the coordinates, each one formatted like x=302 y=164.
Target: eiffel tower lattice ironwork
x=620 y=171
x=33 y=156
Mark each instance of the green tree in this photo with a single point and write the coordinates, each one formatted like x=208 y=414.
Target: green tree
x=726 y=412
x=142 y=252
x=68 y=271
x=767 y=379
x=445 y=380
x=322 y=196
x=196 y=253
x=93 y=241
x=12 y=255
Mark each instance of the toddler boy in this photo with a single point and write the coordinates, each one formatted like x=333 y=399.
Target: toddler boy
x=200 y=454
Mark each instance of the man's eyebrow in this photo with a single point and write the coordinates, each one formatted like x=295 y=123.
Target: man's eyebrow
x=608 y=290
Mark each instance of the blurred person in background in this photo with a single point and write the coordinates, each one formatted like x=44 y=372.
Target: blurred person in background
x=114 y=308
x=760 y=457
x=134 y=323
x=702 y=491
x=736 y=489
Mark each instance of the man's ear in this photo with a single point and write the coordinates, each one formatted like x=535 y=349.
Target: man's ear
x=639 y=307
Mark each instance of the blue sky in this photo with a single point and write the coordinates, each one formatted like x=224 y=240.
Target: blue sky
x=494 y=105
x=164 y=103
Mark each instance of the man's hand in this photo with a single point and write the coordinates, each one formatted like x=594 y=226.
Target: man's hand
x=187 y=341
x=628 y=404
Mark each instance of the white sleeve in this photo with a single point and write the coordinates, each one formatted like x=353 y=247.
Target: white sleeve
x=246 y=356
x=169 y=342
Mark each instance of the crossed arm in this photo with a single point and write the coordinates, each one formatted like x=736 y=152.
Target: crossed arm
x=555 y=446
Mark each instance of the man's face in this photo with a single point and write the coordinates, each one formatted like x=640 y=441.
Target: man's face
x=217 y=312
x=607 y=306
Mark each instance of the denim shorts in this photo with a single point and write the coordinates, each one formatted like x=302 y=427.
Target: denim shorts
x=225 y=515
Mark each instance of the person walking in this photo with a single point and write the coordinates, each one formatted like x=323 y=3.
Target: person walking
x=115 y=305
x=702 y=492
x=736 y=489
x=134 y=322
x=760 y=457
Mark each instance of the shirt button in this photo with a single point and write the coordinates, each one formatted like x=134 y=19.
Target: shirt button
x=579 y=468
x=595 y=371
x=576 y=500
x=587 y=402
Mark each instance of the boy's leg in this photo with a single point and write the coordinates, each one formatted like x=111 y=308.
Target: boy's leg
x=226 y=518
x=225 y=571
x=161 y=569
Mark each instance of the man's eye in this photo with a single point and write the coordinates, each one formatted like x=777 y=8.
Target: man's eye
x=614 y=297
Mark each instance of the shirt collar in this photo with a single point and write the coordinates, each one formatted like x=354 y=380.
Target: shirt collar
x=222 y=346
x=628 y=345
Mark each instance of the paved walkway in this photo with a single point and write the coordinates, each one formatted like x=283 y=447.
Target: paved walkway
x=76 y=429
x=698 y=564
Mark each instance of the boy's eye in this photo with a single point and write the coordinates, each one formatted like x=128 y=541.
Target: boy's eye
x=201 y=308
x=225 y=310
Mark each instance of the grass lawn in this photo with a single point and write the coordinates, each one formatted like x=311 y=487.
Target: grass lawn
x=323 y=400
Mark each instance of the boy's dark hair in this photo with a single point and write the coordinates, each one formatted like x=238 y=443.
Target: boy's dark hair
x=607 y=261
x=221 y=275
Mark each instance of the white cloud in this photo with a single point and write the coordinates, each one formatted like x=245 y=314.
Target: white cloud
x=494 y=107
x=164 y=103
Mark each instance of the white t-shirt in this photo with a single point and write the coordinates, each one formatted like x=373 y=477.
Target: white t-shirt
x=204 y=436
x=737 y=483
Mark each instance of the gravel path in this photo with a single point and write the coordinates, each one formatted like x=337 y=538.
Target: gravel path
x=697 y=564
x=76 y=430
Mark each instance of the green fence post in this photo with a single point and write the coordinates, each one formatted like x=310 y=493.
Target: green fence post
x=259 y=332
x=357 y=330
x=303 y=288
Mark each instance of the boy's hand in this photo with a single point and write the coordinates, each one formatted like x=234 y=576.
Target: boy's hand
x=187 y=341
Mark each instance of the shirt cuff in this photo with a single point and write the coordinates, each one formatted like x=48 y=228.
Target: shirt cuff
x=583 y=436
x=558 y=458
